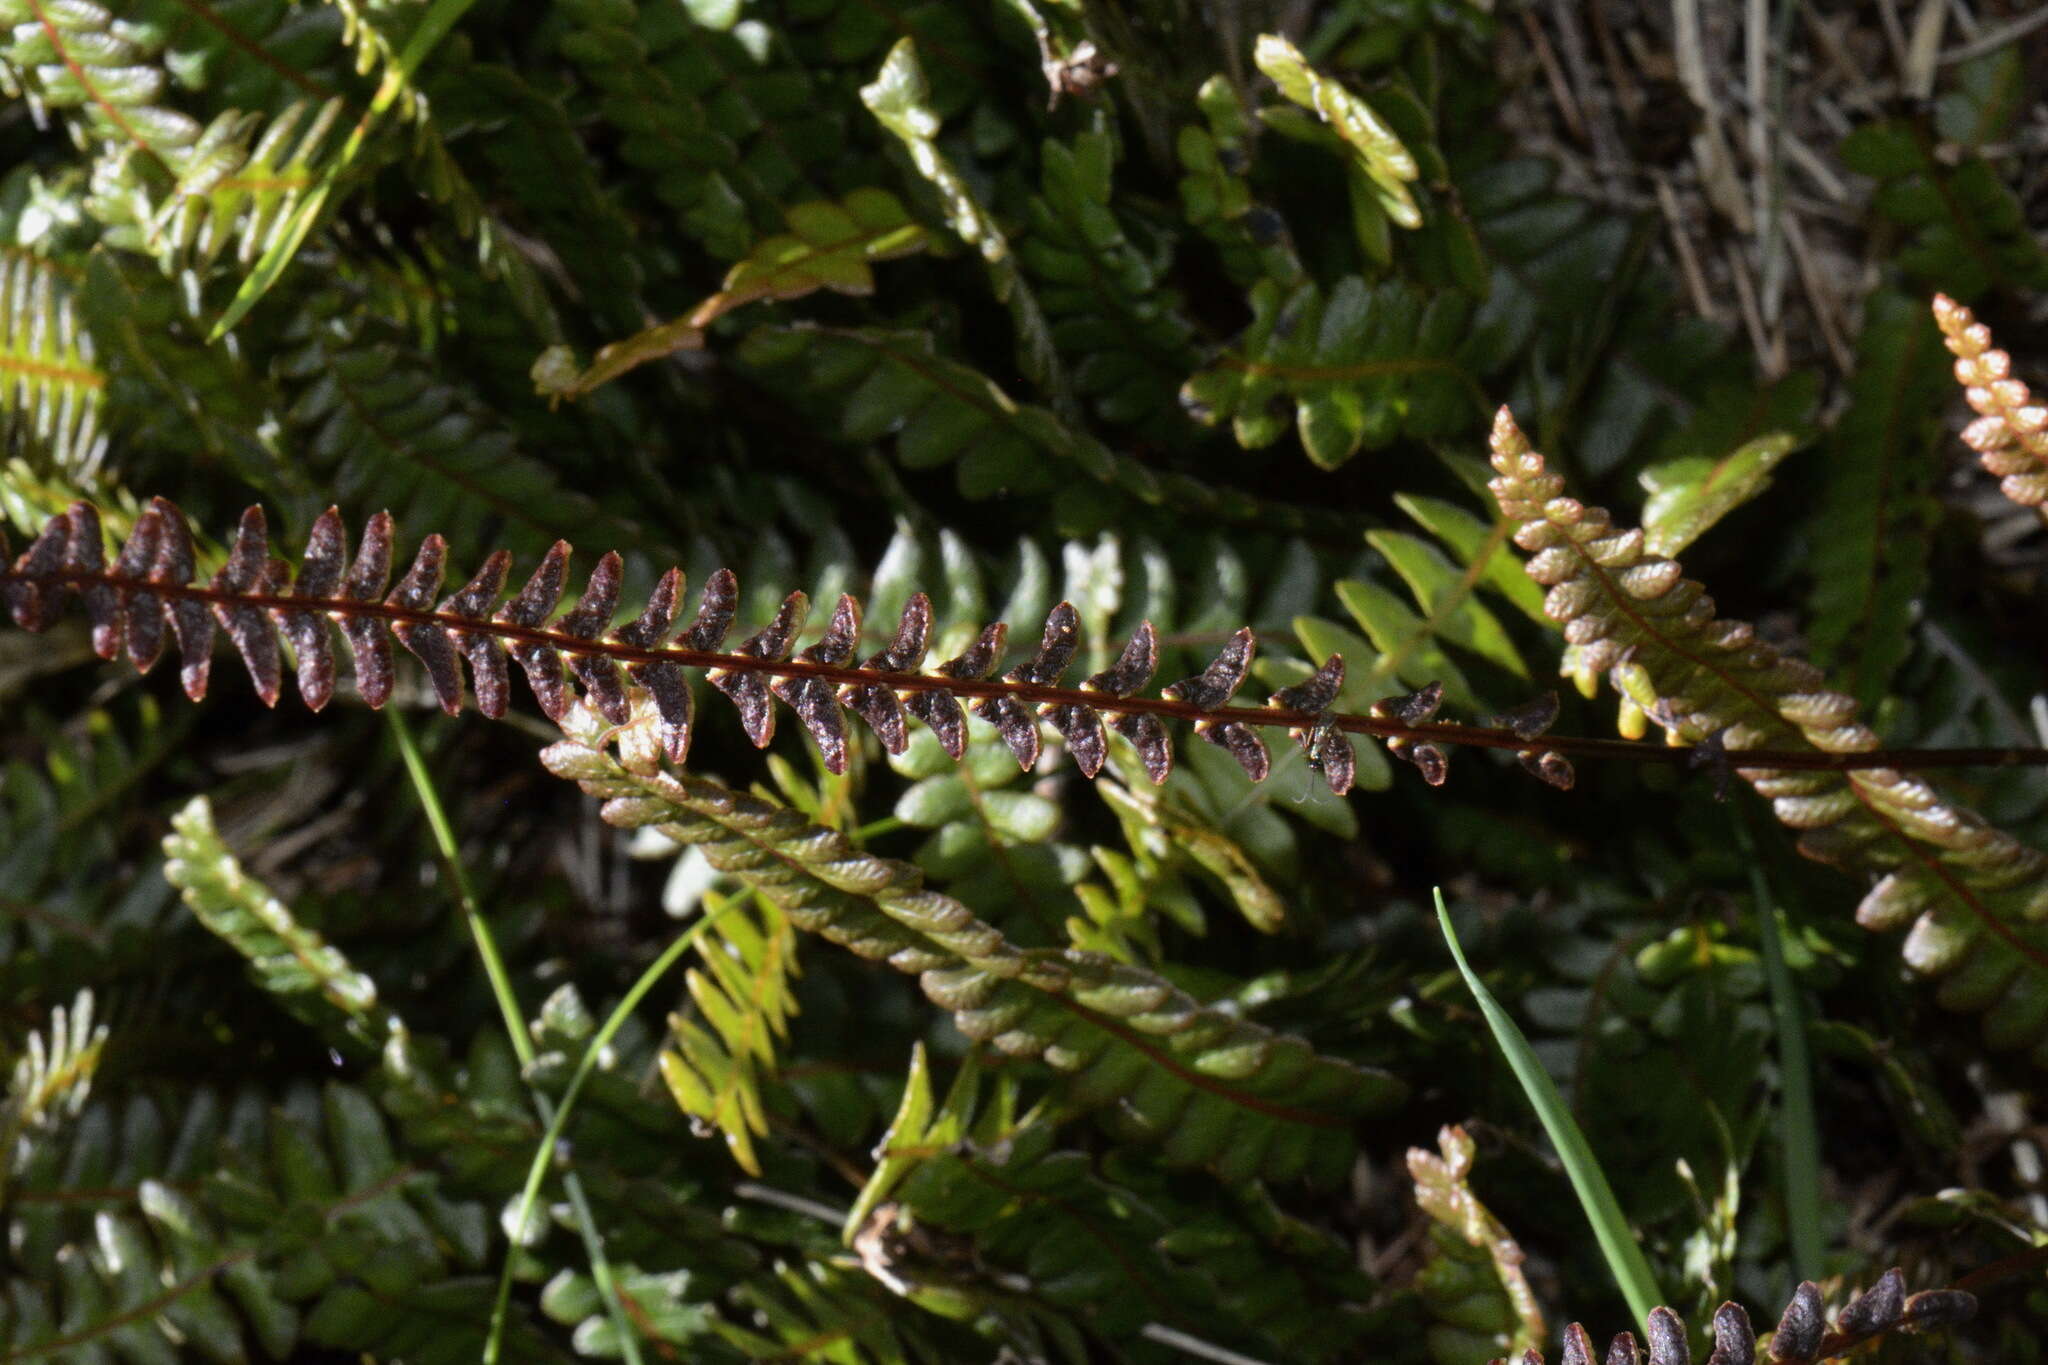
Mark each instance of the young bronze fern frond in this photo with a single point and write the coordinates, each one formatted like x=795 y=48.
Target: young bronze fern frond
x=254 y=598
x=1211 y=1088
x=1976 y=896
x=2010 y=434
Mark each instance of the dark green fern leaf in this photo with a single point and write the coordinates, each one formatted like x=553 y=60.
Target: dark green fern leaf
x=1871 y=534
x=1103 y=294
x=1354 y=370
x=1967 y=231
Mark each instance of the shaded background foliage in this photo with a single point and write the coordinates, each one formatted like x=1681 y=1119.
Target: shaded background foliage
x=827 y=291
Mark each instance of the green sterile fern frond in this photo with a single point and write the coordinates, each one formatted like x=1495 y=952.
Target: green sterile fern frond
x=288 y=959
x=1388 y=166
x=1006 y=849
x=991 y=838
x=1967 y=230
x=830 y=245
x=2010 y=435
x=1872 y=532
x=1049 y=1222
x=662 y=1308
x=744 y=995
x=244 y=1229
x=373 y=33
x=64 y=921
x=1448 y=610
x=175 y=394
x=1216 y=195
x=1690 y=493
x=1455 y=582
x=1616 y=377
x=1354 y=368
x=801 y=1308
x=901 y=100
x=387 y=432
x=49 y=1081
x=868 y=383
x=245 y=182
x=75 y=57
x=472 y=1116
x=1975 y=896
x=1103 y=293
x=173 y=185
x=525 y=157
x=52 y=386
x=723 y=166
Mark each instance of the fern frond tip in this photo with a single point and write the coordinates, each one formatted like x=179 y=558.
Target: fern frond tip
x=2010 y=435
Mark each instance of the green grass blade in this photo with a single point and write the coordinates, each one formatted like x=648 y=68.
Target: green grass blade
x=1610 y=1228
x=522 y=1047
x=1798 y=1125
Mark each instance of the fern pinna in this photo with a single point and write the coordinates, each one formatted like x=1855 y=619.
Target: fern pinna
x=255 y=598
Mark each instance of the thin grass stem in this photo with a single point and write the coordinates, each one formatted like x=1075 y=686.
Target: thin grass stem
x=1625 y=1260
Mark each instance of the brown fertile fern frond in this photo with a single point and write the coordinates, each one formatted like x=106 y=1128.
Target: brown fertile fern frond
x=2010 y=434
x=1803 y=1336
x=254 y=598
x=1976 y=897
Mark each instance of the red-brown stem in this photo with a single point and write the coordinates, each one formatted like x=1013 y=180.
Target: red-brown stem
x=1469 y=736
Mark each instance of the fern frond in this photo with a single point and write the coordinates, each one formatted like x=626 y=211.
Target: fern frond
x=876 y=382
x=1475 y=1283
x=1105 y=297
x=287 y=958
x=745 y=994
x=1968 y=231
x=384 y=428
x=146 y=600
x=165 y=182
x=366 y=28
x=268 y=1229
x=1216 y=194
x=724 y=138
x=244 y=184
x=901 y=100
x=1388 y=165
x=829 y=246
x=50 y=1080
x=801 y=1306
x=1210 y=1088
x=1803 y=1335
x=1688 y=495
x=1353 y=370
x=1976 y=896
x=968 y=1170
x=1874 y=528
x=64 y=921
x=186 y=399
x=52 y=386
x=2010 y=434
x=77 y=57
